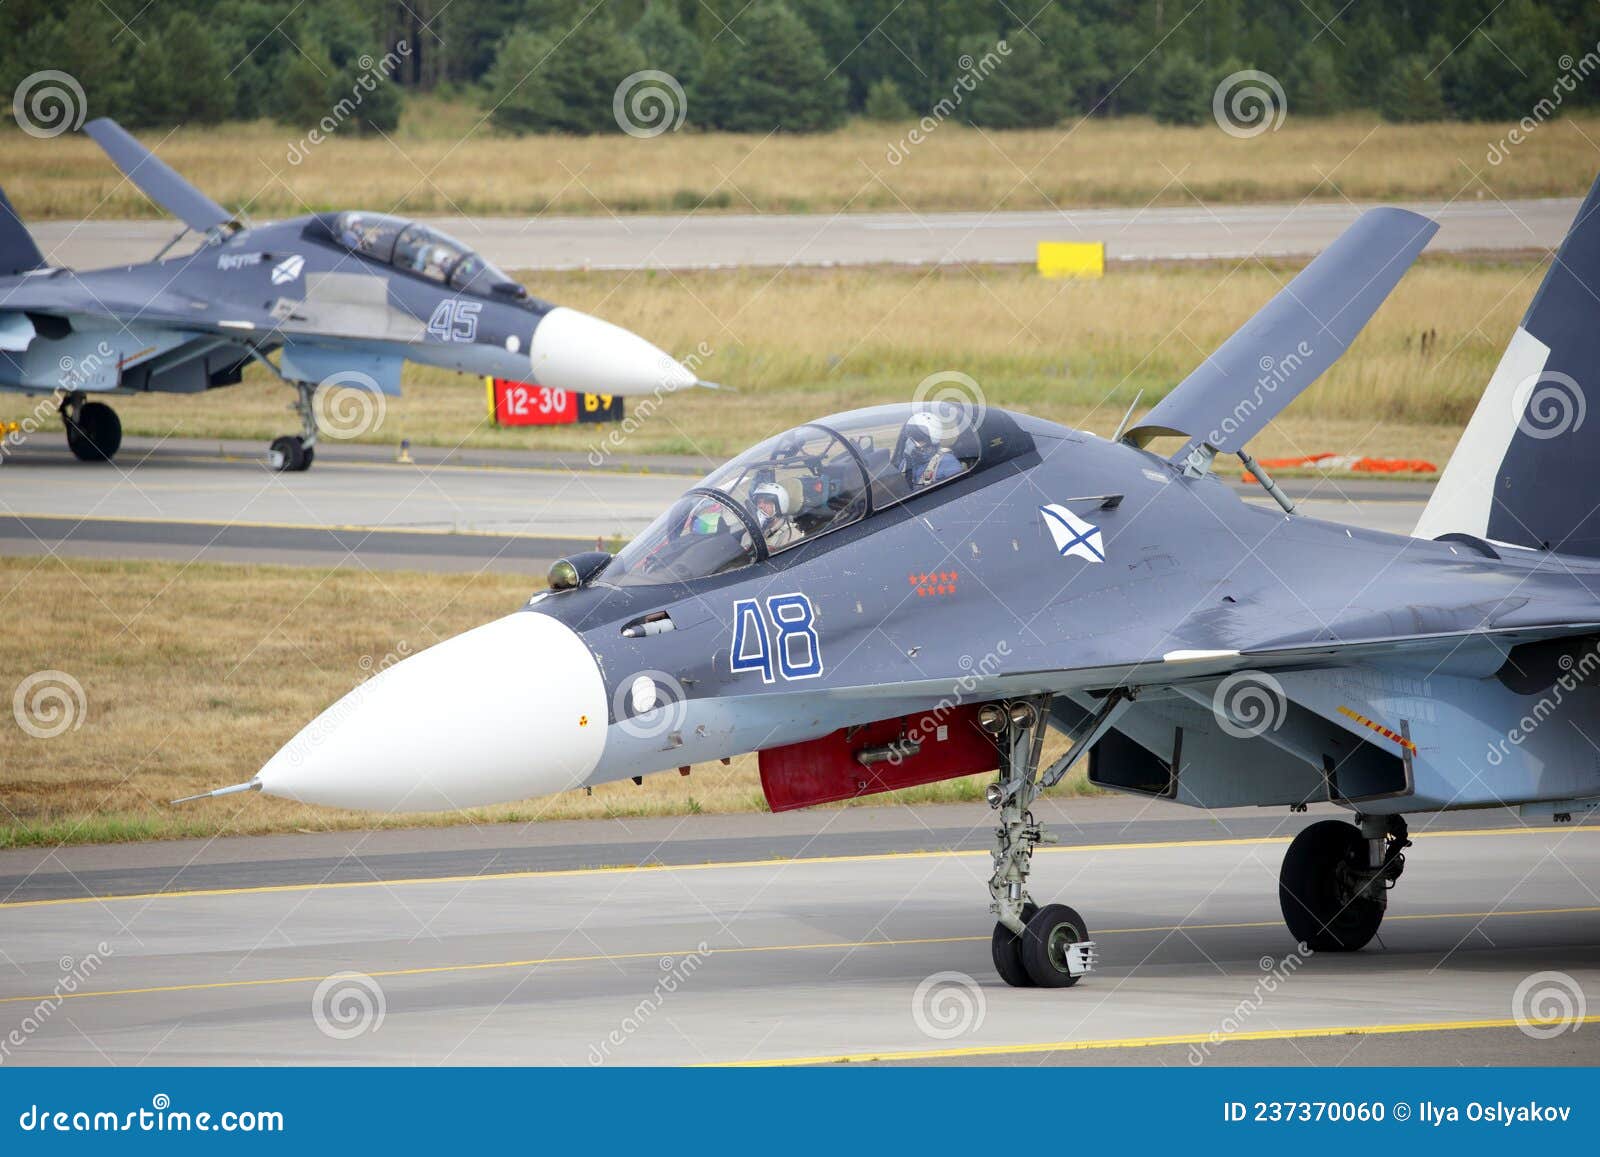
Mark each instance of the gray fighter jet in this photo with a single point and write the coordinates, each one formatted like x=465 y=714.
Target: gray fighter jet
x=903 y=594
x=340 y=298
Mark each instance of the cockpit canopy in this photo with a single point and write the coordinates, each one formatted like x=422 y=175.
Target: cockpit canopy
x=422 y=250
x=811 y=480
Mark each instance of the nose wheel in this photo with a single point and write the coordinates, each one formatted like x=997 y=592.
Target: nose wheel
x=1032 y=946
x=293 y=453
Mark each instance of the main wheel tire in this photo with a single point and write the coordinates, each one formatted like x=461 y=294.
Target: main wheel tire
x=288 y=455
x=1005 y=946
x=1053 y=929
x=96 y=436
x=1317 y=889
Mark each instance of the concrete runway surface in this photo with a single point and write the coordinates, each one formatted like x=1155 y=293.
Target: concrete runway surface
x=866 y=940
x=711 y=240
x=451 y=511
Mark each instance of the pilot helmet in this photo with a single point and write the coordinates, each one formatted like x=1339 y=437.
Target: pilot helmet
x=770 y=490
x=924 y=431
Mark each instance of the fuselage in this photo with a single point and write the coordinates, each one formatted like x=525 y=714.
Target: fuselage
x=961 y=594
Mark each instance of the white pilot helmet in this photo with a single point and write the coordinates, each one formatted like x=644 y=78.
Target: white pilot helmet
x=778 y=494
x=928 y=425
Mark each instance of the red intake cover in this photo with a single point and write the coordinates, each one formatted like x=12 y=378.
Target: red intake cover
x=827 y=769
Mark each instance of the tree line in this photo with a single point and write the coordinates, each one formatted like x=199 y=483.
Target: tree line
x=801 y=65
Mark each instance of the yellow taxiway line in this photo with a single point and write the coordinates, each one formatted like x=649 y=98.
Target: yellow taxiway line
x=862 y=858
x=1138 y=1042
x=330 y=527
x=735 y=950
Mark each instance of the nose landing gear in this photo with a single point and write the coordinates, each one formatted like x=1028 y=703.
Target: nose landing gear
x=1335 y=880
x=1032 y=946
x=292 y=453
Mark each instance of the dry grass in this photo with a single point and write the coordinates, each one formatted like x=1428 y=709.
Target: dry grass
x=183 y=693
x=443 y=160
x=805 y=342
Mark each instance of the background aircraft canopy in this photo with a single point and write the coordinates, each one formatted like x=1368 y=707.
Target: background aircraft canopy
x=420 y=249
x=832 y=473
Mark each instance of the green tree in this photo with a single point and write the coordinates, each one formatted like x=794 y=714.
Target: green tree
x=1182 y=95
x=884 y=102
x=544 y=84
x=668 y=44
x=1412 y=93
x=1509 y=66
x=179 y=76
x=773 y=77
x=1024 y=91
x=1315 y=87
x=1366 y=60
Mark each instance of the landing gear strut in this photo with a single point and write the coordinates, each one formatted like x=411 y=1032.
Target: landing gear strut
x=94 y=432
x=1049 y=946
x=295 y=452
x=1335 y=880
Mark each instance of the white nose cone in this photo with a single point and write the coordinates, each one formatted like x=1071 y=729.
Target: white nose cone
x=512 y=709
x=573 y=351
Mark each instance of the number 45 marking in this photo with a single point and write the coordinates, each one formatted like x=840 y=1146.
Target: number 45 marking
x=791 y=645
x=455 y=320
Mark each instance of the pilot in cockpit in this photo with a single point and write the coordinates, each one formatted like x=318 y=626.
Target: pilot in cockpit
x=773 y=507
x=921 y=455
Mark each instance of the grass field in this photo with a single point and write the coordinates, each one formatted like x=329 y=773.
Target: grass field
x=182 y=693
x=444 y=160
x=806 y=342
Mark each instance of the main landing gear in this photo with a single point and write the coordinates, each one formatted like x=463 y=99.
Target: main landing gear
x=1049 y=946
x=294 y=452
x=94 y=432
x=1335 y=880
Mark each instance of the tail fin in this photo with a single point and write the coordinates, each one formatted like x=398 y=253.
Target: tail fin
x=18 y=253
x=1527 y=470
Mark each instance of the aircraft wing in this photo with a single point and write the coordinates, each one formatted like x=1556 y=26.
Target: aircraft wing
x=157 y=179
x=1271 y=359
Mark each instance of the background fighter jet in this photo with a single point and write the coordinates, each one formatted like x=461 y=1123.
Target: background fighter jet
x=921 y=621
x=341 y=298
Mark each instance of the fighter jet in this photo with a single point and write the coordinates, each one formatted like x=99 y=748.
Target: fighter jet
x=909 y=593
x=342 y=299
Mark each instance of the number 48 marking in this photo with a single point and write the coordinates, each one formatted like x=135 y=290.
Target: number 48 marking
x=791 y=645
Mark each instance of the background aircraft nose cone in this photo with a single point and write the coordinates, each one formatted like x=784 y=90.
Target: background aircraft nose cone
x=511 y=709
x=573 y=351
